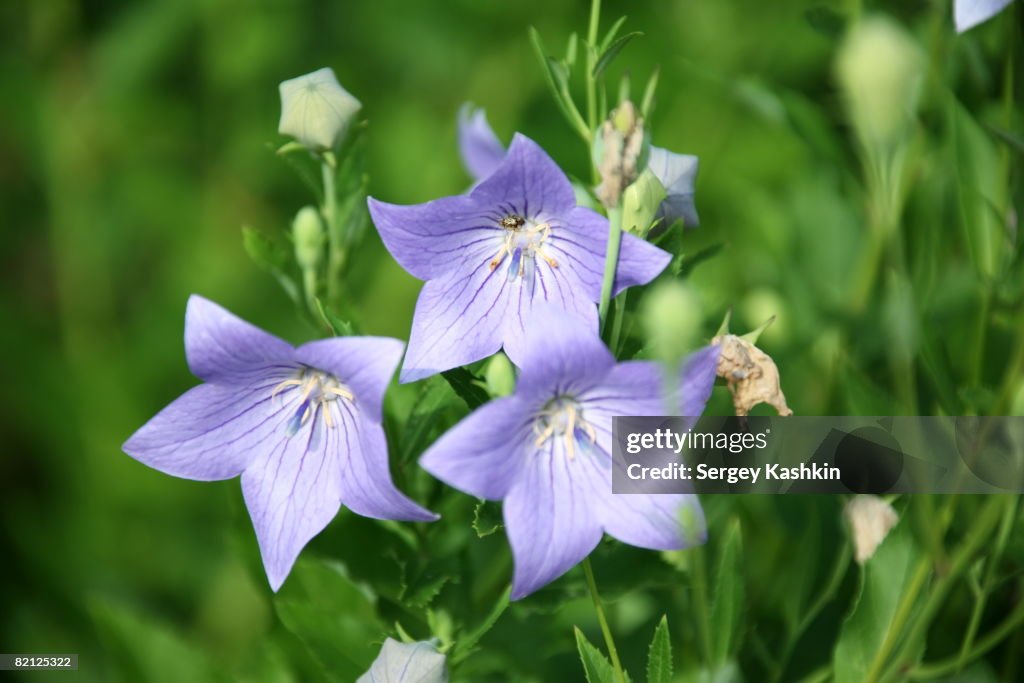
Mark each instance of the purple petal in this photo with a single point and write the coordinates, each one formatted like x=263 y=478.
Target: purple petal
x=459 y=319
x=653 y=521
x=429 y=239
x=212 y=431
x=222 y=347
x=366 y=485
x=970 y=13
x=549 y=518
x=480 y=148
x=698 y=379
x=364 y=364
x=528 y=182
x=559 y=353
x=639 y=261
x=483 y=454
x=293 y=490
x=677 y=173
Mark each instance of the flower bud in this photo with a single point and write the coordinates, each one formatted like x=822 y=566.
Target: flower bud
x=672 y=319
x=618 y=152
x=407 y=663
x=308 y=236
x=316 y=110
x=500 y=376
x=880 y=70
x=870 y=519
x=640 y=203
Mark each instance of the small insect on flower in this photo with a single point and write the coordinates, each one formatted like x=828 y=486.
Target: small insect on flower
x=302 y=426
x=518 y=239
x=545 y=450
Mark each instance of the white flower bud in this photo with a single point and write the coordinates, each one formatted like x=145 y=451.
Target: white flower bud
x=880 y=69
x=870 y=519
x=316 y=110
x=407 y=663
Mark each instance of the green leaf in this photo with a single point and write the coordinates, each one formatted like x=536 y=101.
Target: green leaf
x=685 y=264
x=468 y=386
x=466 y=645
x=610 y=35
x=273 y=256
x=435 y=395
x=595 y=666
x=728 y=596
x=487 y=518
x=647 y=103
x=884 y=580
x=659 y=655
x=612 y=52
x=558 y=79
x=332 y=616
x=340 y=328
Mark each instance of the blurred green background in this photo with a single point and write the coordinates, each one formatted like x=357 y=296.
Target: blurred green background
x=136 y=138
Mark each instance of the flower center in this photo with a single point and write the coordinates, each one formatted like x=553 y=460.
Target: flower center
x=316 y=390
x=562 y=417
x=523 y=241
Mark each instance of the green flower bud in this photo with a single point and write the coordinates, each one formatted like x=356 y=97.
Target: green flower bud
x=880 y=70
x=640 y=203
x=308 y=236
x=671 y=316
x=316 y=110
x=500 y=376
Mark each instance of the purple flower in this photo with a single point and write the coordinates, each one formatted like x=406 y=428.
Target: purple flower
x=545 y=451
x=488 y=257
x=970 y=13
x=302 y=426
x=482 y=152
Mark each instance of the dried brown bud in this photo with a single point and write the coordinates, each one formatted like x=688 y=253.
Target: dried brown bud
x=620 y=143
x=751 y=375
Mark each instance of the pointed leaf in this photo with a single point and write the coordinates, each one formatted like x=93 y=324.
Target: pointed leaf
x=465 y=645
x=274 y=257
x=728 y=597
x=659 y=655
x=468 y=386
x=595 y=666
x=612 y=52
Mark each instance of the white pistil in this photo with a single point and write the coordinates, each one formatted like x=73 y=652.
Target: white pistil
x=562 y=417
x=524 y=242
x=317 y=390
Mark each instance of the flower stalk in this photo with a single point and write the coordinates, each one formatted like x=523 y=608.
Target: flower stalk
x=609 y=641
x=611 y=262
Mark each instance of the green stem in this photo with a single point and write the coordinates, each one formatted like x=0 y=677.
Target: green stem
x=620 y=315
x=899 y=620
x=329 y=211
x=611 y=262
x=595 y=20
x=620 y=676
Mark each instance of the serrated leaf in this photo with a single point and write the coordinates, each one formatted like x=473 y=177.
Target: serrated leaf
x=468 y=386
x=728 y=596
x=274 y=257
x=883 y=582
x=465 y=645
x=684 y=265
x=659 y=655
x=487 y=518
x=612 y=52
x=596 y=668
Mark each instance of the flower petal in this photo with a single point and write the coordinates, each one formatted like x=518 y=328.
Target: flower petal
x=429 y=239
x=528 y=182
x=558 y=354
x=584 y=245
x=697 y=379
x=397 y=662
x=366 y=485
x=293 y=490
x=678 y=174
x=364 y=364
x=221 y=347
x=481 y=150
x=548 y=517
x=459 y=319
x=211 y=432
x=970 y=13
x=657 y=521
x=483 y=454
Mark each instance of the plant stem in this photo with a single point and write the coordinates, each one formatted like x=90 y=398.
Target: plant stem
x=603 y=621
x=595 y=20
x=329 y=211
x=611 y=262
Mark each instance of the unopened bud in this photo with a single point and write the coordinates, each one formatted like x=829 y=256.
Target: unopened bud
x=880 y=70
x=618 y=152
x=870 y=519
x=407 y=663
x=500 y=376
x=316 y=110
x=672 y=318
x=308 y=236
x=640 y=203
